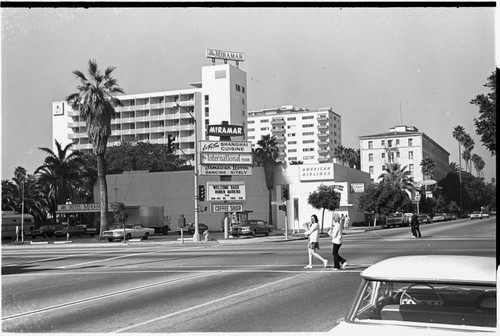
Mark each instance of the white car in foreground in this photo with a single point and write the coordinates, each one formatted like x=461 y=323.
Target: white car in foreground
x=129 y=231
x=425 y=295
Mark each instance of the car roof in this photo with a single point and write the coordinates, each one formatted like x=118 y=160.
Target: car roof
x=434 y=269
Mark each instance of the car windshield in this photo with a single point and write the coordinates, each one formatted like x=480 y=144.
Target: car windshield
x=417 y=303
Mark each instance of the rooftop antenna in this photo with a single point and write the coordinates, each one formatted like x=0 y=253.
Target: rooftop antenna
x=400 y=112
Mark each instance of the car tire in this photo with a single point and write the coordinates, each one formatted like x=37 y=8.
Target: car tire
x=267 y=233
x=146 y=236
x=110 y=240
x=128 y=236
x=254 y=233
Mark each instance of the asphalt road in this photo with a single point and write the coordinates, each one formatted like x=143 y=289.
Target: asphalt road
x=244 y=285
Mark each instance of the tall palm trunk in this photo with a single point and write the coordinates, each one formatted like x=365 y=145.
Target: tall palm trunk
x=103 y=190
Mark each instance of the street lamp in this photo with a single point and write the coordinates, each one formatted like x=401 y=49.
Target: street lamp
x=22 y=213
x=196 y=236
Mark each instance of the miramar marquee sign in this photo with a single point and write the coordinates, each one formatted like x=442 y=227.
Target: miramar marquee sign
x=225 y=55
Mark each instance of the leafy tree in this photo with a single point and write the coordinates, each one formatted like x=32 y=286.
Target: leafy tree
x=120 y=214
x=96 y=100
x=59 y=174
x=487 y=121
x=266 y=155
x=325 y=198
x=384 y=198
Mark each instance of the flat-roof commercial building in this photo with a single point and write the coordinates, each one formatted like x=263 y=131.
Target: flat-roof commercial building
x=310 y=136
x=407 y=146
x=152 y=117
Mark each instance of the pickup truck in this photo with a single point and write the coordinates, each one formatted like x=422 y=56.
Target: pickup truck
x=131 y=231
x=395 y=219
x=251 y=227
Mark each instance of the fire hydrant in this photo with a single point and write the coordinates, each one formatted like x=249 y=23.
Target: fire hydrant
x=207 y=235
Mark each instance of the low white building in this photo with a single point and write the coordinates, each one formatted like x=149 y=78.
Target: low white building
x=174 y=191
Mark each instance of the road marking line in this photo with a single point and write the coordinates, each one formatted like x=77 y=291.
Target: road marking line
x=204 y=304
x=104 y=296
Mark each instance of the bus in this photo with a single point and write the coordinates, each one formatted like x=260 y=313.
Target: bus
x=11 y=220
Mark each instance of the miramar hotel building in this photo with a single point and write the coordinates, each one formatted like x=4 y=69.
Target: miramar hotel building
x=303 y=135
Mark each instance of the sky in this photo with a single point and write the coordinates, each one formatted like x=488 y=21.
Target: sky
x=376 y=67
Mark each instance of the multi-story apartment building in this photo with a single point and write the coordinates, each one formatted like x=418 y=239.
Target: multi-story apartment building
x=310 y=136
x=152 y=117
x=406 y=145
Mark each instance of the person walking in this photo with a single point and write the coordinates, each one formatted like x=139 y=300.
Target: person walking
x=415 y=226
x=336 y=233
x=312 y=231
x=347 y=220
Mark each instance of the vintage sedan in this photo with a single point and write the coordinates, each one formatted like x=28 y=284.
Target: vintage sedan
x=439 y=217
x=424 y=295
x=46 y=230
x=70 y=231
x=476 y=215
x=130 y=231
x=424 y=218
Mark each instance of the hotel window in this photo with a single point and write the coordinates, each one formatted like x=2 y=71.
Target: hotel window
x=383 y=155
x=370 y=169
x=370 y=157
x=207 y=122
x=264 y=128
x=243 y=89
x=370 y=144
x=410 y=155
x=291 y=134
x=251 y=122
x=238 y=88
x=397 y=142
x=293 y=158
x=206 y=111
x=308 y=150
x=308 y=125
x=308 y=133
x=410 y=168
x=308 y=141
x=307 y=157
x=307 y=117
x=292 y=150
x=291 y=118
x=251 y=129
x=382 y=142
x=389 y=143
x=292 y=142
x=264 y=121
x=410 y=142
x=397 y=154
x=206 y=99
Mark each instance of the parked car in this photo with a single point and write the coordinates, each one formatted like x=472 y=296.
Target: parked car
x=251 y=227
x=46 y=230
x=451 y=216
x=71 y=230
x=131 y=231
x=485 y=215
x=424 y=218
x=189 y=228
x=476 y=215
x=439 y=217
x=395 y=219
x=425 y=294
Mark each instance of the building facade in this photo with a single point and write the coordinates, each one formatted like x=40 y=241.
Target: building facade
x=406 y=145
x=152 y=117
x=310 y=136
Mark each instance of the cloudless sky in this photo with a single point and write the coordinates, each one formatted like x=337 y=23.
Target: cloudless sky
x=376 y=67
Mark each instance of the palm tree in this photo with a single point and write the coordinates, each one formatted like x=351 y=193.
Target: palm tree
x=428 y=165
x=478 y=164
x=267 y=156
x=353 y=157
x=468 y=144
x=459 y=134
x=96 y=99
x=340 y=153
x=454 y=168
x=397 y=176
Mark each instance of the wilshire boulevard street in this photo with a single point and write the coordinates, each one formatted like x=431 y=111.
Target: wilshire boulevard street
x=239 y=285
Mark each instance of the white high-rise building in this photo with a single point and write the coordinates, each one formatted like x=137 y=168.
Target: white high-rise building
x=220 y=96
x=407 y=146
x=310 y=136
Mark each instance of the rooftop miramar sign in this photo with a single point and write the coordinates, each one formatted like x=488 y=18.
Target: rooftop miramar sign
x=225 y=55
